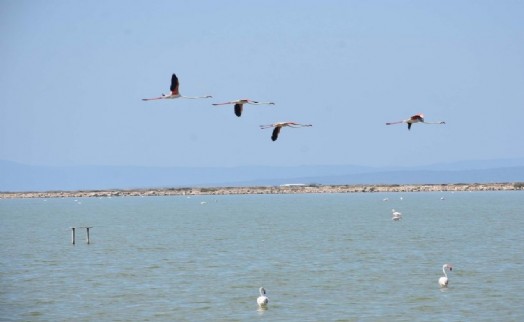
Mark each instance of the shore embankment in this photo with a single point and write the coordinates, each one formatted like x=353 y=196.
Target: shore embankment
x=284 y=189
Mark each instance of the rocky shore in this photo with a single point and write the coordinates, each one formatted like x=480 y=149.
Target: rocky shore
x=284 y=189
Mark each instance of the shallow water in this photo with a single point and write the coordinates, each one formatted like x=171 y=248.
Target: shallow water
x=320 y=257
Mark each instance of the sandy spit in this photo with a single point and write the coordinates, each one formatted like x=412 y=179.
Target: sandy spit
x=285 y=189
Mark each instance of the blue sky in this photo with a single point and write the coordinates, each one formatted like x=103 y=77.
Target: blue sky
x=74 y=73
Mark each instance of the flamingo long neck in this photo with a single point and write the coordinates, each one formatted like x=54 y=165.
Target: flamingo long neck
x=444 y=270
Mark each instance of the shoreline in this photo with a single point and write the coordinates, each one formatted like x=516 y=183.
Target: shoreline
x=284 y=189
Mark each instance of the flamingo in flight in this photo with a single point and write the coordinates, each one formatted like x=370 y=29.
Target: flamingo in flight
x=262 y=300
x=279 y=125
x=417 y=118
x=174 y=92
x=239 y=104
x=443 y=281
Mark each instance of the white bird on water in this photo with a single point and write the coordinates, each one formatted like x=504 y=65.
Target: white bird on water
x=443 y=281
x=395 y=215
x=174 y=92
x=262 y=300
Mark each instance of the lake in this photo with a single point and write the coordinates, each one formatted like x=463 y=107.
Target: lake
x=321 y=257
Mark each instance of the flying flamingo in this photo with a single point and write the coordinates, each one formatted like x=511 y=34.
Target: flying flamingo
x=417 y=118
x=239 y=104
x=280 y=125
x=262 y=300
x=443 y=281
x=174 y=92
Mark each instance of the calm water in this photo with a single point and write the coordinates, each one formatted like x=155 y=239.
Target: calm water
x=333 y=257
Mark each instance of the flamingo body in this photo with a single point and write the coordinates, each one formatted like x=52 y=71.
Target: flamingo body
x=277 y=126
x=262 y=300
x=174 y=92
x=443 y=281
x=239 y=104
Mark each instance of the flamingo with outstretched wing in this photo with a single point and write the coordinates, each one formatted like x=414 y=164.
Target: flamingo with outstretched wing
x=174 y=92
x=417 y=118
x=279 y=125
x=239 y=104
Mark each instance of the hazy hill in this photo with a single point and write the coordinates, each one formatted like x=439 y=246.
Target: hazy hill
x=20 y=177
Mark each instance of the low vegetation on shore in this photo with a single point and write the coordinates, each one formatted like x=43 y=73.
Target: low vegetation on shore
x=283 y=189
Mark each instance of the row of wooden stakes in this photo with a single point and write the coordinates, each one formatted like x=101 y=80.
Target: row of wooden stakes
x=73 y=234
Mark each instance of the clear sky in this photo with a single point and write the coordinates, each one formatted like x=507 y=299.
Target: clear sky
x=73 y=74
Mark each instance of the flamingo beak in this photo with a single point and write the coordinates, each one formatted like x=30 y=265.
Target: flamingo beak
x=450 y=268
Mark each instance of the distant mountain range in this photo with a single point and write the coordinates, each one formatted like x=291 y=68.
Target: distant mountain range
x=18 y=177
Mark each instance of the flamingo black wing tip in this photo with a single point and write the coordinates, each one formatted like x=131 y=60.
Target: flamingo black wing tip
x=238 y=109
x=274 y=135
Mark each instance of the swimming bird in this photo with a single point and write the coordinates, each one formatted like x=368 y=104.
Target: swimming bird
x=262 y=300
x=443 y=281
x=417 y=118
x=395 y=215
x=239 y=104
x=279 y=125
x=174 y=92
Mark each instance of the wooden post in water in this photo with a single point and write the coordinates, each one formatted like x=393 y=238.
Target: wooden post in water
x=73 y=235
x=87 y=231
